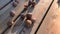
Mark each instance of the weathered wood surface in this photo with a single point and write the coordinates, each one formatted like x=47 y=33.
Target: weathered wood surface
x=19 y=9
x=3 y=2
x=51 y=23
x=5 y=11
x=4 y=17
x=39 y=12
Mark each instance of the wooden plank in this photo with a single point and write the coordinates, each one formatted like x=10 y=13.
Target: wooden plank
x=20 y=27
x=7 y=17
x=19 y=9
x=39 y=12
x=5 y=11
x=4 y=17
x=3 y=3
x=51 y=24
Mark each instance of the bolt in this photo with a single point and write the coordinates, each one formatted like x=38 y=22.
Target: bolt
x=28 y=23
x=12 y=13
x=14 y=4
x=33 y=19
x=10 y=23
x=23 y=15
x=33 y=4
x=25 y=5
x=17 y=1
x=29 y=15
